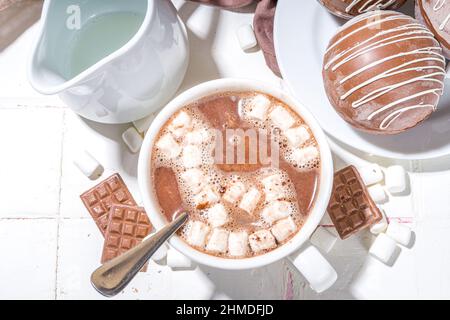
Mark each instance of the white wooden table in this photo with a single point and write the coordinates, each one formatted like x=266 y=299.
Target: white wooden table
x=49 y=245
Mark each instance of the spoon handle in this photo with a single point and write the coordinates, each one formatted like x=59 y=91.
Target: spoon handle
x=113 y=276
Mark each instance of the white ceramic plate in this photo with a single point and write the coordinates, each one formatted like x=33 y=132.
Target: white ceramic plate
x=302 y=32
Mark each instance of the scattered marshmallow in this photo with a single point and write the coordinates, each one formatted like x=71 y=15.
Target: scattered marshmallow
x=276 y=210
x=218 y=242
x=168 y=146
x=197 y=137
x=88 y=165
x=304 y=156
x=161 y=253
x=176 y=260
x=132 y=139
x=234 y=192
x=383 y=248
x=191 y=156
x=282 y=118
x=396 y=179
x=195 y=180
x=273 y=187
x=205 y=198
x=250 y=200
x=381 y=226
x=378 y=194
x=217 y=215
x=246 y=37
x=238 y=244
x=198 y=231
x=283 y=229
x=181 y=124
x=262 y=240
x=315 y=268
x=400 y=233
x=323 y=239
x=297 y=136
x=371 y=174
x=257 y=107
x=142 y=125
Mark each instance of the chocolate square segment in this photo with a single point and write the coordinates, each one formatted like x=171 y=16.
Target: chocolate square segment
x=99 y=200
x=351 y=208
x=123 y=233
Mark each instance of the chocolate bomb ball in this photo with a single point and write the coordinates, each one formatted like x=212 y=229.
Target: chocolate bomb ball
x=348 y=9
x=435 y=14
x=384 y=72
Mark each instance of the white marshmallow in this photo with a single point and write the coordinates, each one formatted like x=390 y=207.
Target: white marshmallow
x=396 y=179
x=383 y=248
x=218 y=242
x=304 y=156
x=246 y=37
x=250 y=200
x=168 y=146
x=132 y=139
x=205 y=198
x=323 y=239
x=176 y=260
x=197 y=137
x=261 y=240
x=273 y=187
x=238 y=244
x=234 y=192
x=276 y=210
x=180 y=124
x=143 y=124
x=283 y=229
x=400 y=233
x=297 y=136
x=161 y=253
x=257 y=107
x=381 y=226
x=195 y=180
x=217 y=215
x=315 y=268
x=378 y=194
x=282 y=118
x=198 y=231
x=191 y=156
x=88 y=165
x=371 y=174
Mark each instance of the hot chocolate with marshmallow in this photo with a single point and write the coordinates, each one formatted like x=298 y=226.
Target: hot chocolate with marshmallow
x=244 y=165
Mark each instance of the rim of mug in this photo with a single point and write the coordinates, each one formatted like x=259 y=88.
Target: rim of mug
x=243 y=85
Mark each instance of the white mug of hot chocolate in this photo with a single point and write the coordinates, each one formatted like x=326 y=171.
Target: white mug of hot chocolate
x=297 y=249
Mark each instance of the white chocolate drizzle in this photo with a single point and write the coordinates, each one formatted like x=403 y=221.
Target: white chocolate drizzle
x=368 y=5
x=439 y=5
x=420 y=64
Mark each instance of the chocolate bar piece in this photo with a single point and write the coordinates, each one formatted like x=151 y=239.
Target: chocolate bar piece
x=351 y=208
x=100 y=199
x=127 y=226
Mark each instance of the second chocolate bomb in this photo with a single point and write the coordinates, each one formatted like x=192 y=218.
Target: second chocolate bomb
x=435 y=15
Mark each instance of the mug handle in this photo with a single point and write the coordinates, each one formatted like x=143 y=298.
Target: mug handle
x=314 y=267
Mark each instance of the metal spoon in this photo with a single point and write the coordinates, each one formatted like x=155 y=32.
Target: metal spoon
x=112 y=277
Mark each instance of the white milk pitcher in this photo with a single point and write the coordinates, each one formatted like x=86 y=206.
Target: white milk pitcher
x=110 y=61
